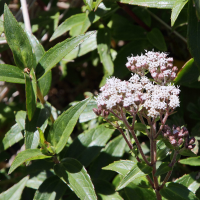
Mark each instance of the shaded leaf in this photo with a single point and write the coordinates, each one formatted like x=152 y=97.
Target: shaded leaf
x=197 y=6
x=20 y=118
x=1 y=26
x=163 y=168
x=64 y=125
x=11 y=74
x=156 y=38
x=162 y=150
x=15 y=192
x=186 y=152
x=88 y=3
x=18 y=41
x=27 y=155
x=76 y=177
x=195 y=161
x=97 y=4
x=52 y=189
x=177 y=191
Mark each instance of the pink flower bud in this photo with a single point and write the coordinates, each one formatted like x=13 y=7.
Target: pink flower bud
x=136 y=100
x=180 y=141
x=96 y=111
x=163 y=68
x=169 y=65
x=128 y=65
x=173 y=142
x=175 y=69
x=170 y=59
x=154 y=75
x=160 y=76
x=173 y=75
x=132 y=68
x=192 y=140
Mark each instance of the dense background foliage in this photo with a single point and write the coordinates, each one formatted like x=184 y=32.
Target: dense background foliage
x=115 y=30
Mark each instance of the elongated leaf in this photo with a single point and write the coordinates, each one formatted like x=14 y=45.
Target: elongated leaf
x=137 y=171
x=190 y=181
x=27 y=155
x=64 y=125
x=74 y=20
x=52 y=189
x=20 y=118
x=195 y=161
x=162 y=169
x=151 y=3
x=40 y=119
x=1 y=27
x=89 y=144
x=11 y=74
x=15 y=192
x=103 y=46
x=105 y=190
x=162 y=150
x=177 y=191
x=88 y=3
x=77 y=178
x=187 y=152
x=114 y=150
x=133 y=192
x=56 y=54
x=13 y=136
x=197 y=6
x=31 y=94
x=178 y=6
x=156 y=38
x=193 y=33
x=97 y=4
x=18 y=41
x=122 y=167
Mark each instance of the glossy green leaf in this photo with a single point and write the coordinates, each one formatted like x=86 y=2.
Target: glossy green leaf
x=195 y=161
x=138 y=170
x=15 y=192
x=56 y=53
x=177 y=191
x=163 y=168
x=162 y=150
x=88 y=45
x=40 y=119
x=74 y=20
x=27 y=155
x=122 y=167
x=18 y=41
x=193 y=33
x=64 y=125
x=156 y=38
x=88 y=3
x=188 y=75
x=11 y=74
x=1 y=27
x=97 y=4
x=187 y=152
x=105 y=190
x=76 y=177
x=151 y=3
x=13 y=136
x=87 y=146
x=133 y=192
x=178 y=6
x=31 y=94
x=103 y=46
x=52 y=189
x=191 y=181
x=20 y=118
x=130 y=31
x=114 y=150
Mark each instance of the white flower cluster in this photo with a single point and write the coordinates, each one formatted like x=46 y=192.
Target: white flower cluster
x=158 y=64
x=138 y=91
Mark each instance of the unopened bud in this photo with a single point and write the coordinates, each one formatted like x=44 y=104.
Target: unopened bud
x=186 y=133
x=132 y=68
x=180 y=134
x=96 y=111
x=180 y=141
x=192 y=140
x=173 y=142
x=163 y=68
x=171 y=137
x=173 y=76
x=128 y=65
x=175 y=69
x=170 y=59
x=190 y=147
x=160 y=76
x=169 y=65
x=137 y=101
x=154 y=74
x=178 y=128
x=175 y=133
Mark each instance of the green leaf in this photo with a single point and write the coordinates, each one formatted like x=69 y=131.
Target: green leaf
x=20 y=118
x=88 y=45
x=122 y=167
x=88 y=3
x=64 y=125
x=68 y=24
x=52 y=189
x=114 y=150
x=88 y=145
x=197 y=6
x=133 y=192
x=178 y=6
x=105 y=190
x=13 y=136
x=27 y=155
x=143 y=14
x=31 y=93
x=97 y=4
x=18 y=41
x=40 y=119
x=151 y=3
x=15 y=192
x=188 y=75
x=162 y=150
x=163 y=168
x=177 y=191
x=195 y=161
x=138 y=170
x=76 y=177
x=193 y=33
x=11 y=74
x=103 y=46
x=56 y=53
x=190 y=181
x=156 y=38
x=1 y=27
x=140 y=127
x=187 y=152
